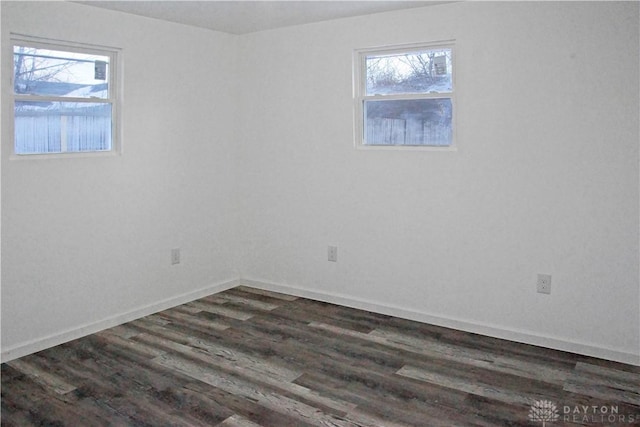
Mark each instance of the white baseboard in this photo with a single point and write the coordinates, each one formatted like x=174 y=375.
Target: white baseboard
x=463 y=325
x=39 y=344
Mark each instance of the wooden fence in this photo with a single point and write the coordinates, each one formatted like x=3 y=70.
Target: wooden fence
x=47 y=132
x=384 y=131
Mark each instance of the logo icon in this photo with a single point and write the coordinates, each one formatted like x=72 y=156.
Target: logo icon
x=543 y=411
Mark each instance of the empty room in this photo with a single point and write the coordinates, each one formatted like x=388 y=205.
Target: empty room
x=308 y=213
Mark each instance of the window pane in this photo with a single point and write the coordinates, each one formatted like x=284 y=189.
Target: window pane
x=59 y=73
x=57 y=127
x=426 y=71
x=408 y=122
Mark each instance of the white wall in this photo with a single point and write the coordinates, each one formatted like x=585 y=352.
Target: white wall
x=87 y=241
x=545 y=179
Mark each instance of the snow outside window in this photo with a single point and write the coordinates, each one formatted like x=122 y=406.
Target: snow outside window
x=404 y=96
x=64 y=98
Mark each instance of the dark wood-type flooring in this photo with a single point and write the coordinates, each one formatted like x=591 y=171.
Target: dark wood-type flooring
x=247 y=357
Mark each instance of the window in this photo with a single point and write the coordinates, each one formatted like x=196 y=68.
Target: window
x=64 y=98
x=404 y=96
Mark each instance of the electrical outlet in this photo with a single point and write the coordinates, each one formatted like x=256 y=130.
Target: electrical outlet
x=175 y=256
x=544 y=283
x=332 y=253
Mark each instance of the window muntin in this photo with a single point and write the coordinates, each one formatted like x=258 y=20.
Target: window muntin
x=64 y=98
x=404 y=97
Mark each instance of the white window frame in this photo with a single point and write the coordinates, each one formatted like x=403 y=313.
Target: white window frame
x=114 y=93
x=360 y=96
